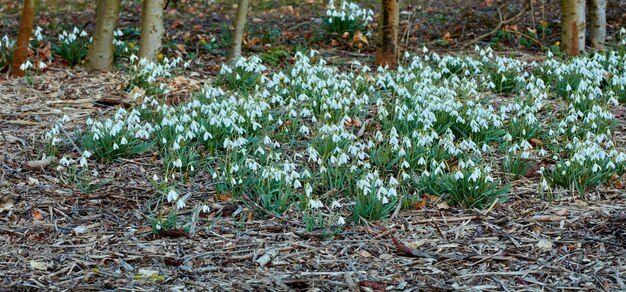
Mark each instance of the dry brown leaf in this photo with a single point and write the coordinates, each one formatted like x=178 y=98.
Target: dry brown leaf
x=181 y=48
x=447 y=37
x=6 y=203
x=364 y=253
x=443 y=206
x=225 y=197
x=376 y=286
x=284 y=10
x=37 y=215
x=535 y=142
x=176 y=24
x=353 y=122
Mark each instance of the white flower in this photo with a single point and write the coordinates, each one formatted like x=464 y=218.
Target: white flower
x=66 y=162
x=172 y=196
x=178 y=163
x=315 y=204
x=180 y=204
x=341 y=221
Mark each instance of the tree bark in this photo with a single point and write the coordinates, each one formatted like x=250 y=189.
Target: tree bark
x=573 y=26
x=23 y=38
x=240 y=24
x=151 y=29
x=387 y=51
x=100 y=55
x=597 y=22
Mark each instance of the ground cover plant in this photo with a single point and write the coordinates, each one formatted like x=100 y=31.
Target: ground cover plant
x=357 y=143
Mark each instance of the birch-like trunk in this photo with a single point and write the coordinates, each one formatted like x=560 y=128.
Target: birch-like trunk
x=100 y=55
x=387 y=51
x=151 y=29
x=573 y=26
x=240 y=24
x=23 y=38
x=597 y=23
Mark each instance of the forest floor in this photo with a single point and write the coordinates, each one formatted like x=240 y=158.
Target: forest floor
x=55 y=237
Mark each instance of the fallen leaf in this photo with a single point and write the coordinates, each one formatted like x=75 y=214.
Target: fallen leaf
x=535 y=142
x=176 y=24
x=353 y=122
x=420 y=205
x=359 y=40
x=443 y=206
x=6 y=204
x=364 y=253
x=376 y=286
x=225 y=197
x=137 y=93
x=284 y=10
x=37 y=215
x=181 y=48
x=79 y=230
x=405 y=250
x=544 y=245
x=448 y=38
x=41 y=266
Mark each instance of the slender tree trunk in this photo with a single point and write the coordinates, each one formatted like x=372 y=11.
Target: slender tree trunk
x=597 y=22
x=573 y=26
x=387 y=51
x=100 y=56
x=23 y=38
x=151 y=29
x=240 y=24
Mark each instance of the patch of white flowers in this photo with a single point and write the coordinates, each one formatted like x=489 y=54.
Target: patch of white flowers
x=348 y=11
x=318 y=135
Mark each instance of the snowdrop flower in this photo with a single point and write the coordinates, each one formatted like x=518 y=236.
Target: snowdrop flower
x=180 y=204
x=315 y=204
x=172 y=195
x=66 y=162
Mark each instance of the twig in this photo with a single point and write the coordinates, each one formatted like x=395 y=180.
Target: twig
x=69 y=138
x=512 y=273
x=502 y=23
x=605 y=241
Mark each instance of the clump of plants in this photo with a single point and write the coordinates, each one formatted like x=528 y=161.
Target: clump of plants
x=346 y=17
x=73 y=46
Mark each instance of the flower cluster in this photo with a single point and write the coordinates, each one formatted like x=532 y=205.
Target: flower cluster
x=346 y=17
x=147 y=75
x=73 y=46
x=328 y=141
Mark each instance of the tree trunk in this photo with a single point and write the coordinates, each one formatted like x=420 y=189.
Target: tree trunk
x=597 y=22
x=100 y=56
x=151 y=29
x=573 y=26
x=240 y=24
x=23 y=38
x=387 y=51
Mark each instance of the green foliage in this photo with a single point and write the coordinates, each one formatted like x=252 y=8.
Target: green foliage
x=73 y=46
x=471 y=188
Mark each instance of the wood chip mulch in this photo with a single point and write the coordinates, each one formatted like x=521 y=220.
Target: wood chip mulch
x=55 y=237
